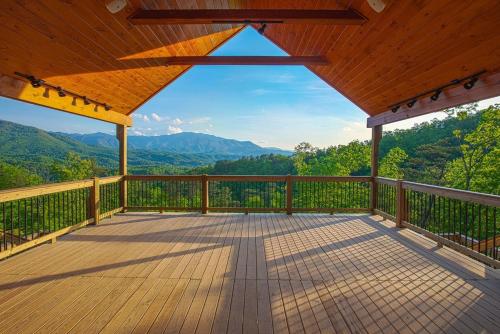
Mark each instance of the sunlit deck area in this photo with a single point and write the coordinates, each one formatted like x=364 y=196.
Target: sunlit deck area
x=256 y=273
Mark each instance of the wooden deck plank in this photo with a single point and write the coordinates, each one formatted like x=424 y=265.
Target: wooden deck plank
x=256 y=273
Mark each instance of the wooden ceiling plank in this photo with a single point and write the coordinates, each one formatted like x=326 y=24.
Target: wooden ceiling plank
x=363 y=43
x=99 y=88
x=451 y=69
x=246 y=60
x=211 y=16
x=447 y=61
x=92 y=28
x=486 y=87
x=23 y=91
x=82 y=45
x=397 y=62
x=64 y=53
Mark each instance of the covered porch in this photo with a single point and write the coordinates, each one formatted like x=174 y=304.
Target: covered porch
x=255 y=273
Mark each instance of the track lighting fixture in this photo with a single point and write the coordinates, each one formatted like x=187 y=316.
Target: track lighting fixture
x=435 y=96
x=60 y=92
x=262 y=28
x=470 y=84
x=411 y=103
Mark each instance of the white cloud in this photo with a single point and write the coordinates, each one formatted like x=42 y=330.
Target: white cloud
x=156 y=117
x=137 y=133
x=177 y=121
x=143 y=117
x=173 y=130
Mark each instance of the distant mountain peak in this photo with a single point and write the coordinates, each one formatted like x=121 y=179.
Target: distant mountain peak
x=185 y=142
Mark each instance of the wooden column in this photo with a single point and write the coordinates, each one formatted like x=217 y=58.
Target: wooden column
x=204 y=194
x=376 y=137
x=289 y=194
x=94 y=201
x=121 y=135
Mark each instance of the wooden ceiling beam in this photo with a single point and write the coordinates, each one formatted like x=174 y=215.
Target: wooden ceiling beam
x=246 y=16
x=246 y=60
x=21 y=90
x=487 y=86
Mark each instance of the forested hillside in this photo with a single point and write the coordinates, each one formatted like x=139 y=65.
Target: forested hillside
x=185 y=142
x=461 y=151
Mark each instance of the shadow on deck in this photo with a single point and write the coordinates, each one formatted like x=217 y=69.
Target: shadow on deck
x=230 y=273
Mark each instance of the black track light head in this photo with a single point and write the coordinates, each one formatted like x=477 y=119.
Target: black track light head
x=36 y=83
x=96 y=108
x=106 y=107
x=411 y=103
x=435 y=96
x=395 y=109
x=85 y=100
x=262 y=28
x=470 y=84
x=60 y=92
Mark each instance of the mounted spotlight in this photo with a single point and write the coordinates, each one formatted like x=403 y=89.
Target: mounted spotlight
x=106 y=107
x=469 y=84
x=96 y=108
x=395 y=109
x=60 y=92
x=74 y=101
x=85 y=100
x=411 y=103
x=46 y=93
x=435 y=96
x=36 y=83
x=262 y=28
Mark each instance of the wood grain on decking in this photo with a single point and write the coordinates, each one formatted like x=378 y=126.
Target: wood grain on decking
x=232 y=273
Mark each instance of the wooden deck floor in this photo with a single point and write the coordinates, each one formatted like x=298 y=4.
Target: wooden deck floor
x=231 y=273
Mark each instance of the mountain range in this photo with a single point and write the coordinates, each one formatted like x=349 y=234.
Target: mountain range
x=185 y=142
x=29 y=146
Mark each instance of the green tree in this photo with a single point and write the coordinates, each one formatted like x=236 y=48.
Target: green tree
x=479 y=151
x=74 y=168
x=391 y=164
x=14 y=177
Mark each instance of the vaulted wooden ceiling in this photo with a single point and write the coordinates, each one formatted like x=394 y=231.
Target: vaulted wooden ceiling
x=411 y=47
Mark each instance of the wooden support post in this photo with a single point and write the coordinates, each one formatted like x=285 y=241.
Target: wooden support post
x=121 y=135
x=204 y=194
x=289 y=194
x=95 y=201
x=400 y=203
x=376 y=137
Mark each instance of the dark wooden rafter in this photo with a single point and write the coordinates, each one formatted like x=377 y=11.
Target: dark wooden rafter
x=247 y=16
x=487 y=86
x=246 y=60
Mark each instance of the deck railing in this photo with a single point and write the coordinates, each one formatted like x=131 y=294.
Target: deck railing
x=466 y=221
x=463 y=220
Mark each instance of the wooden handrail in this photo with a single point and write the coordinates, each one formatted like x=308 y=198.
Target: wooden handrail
x=464 y=195
x=110 y=179
x=385 y=180
x=27 y=192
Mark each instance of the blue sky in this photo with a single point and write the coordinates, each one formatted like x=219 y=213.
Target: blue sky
x=278 y=106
